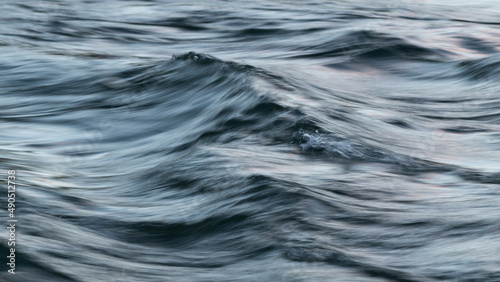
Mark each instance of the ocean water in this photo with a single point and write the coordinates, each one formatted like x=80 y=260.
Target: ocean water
x=251 y=140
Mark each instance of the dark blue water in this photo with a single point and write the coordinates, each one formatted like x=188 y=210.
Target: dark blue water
x=251 y=140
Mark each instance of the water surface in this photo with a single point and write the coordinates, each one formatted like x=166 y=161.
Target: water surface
x=252 y=140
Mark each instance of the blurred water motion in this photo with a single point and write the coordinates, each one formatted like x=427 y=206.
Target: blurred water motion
x=252 y=141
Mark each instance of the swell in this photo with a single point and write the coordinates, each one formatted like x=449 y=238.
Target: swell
x=196 y=99
x=178 y=204
x=276 y=123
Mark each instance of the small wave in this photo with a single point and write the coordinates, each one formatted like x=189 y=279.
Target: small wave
x=480 y=69
x=370 y=45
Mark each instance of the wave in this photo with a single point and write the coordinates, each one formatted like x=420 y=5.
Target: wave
x=207 y=164
x=480 y=69
x=367 y=44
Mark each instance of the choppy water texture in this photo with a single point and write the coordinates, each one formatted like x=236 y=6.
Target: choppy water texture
x=252 y=140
